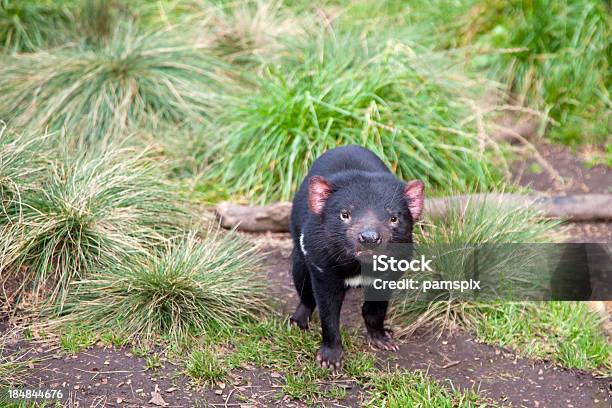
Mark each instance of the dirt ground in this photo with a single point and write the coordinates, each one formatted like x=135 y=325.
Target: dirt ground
x=577 y=178
x=113 y=377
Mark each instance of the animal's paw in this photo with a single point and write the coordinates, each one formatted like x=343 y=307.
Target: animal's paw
x=301 y=323
x=382 y=340
x=330 y=357
x=301 y=316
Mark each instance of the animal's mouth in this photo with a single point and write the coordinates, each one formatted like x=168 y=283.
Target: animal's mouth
x=365 y=255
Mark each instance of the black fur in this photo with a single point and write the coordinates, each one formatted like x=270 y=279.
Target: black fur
x=361 y=186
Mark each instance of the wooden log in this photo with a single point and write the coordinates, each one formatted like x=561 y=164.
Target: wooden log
x=275 y=217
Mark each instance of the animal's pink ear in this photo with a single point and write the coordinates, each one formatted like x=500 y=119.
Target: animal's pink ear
x=414 y=192
x=319 y=191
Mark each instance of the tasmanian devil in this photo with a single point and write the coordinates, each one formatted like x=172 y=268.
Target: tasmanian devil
x=348 y=205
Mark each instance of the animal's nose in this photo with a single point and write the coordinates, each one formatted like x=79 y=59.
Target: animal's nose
x=369 y=237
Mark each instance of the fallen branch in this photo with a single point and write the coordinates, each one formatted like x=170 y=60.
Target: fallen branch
x=275 y=217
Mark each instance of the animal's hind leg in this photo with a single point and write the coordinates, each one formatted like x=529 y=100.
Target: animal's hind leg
x=374 y=313
x=303 y=285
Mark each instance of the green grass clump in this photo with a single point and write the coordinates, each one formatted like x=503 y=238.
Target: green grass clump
x=562 y=331
x=27 y=25
x=19 y=163
x=490 y=227
x=553 y=55
x=74 y=339
x=249 y=31
x=566 y=332
x=558 y=58
x=403 y=106
x=33 y=25
x=183 y=289
x=566 y=66
x=204 y=366
x=91 y=209
x=407 y=389
x=100 y=93
x=13 y=369
x=273 y=344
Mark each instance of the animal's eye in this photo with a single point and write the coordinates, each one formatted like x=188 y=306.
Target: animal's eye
x=393 y=220
x=345 y=215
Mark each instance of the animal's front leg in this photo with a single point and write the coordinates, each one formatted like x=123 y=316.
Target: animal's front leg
x=329 y=293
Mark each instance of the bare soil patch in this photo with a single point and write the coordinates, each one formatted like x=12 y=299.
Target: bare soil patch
x=577 y=175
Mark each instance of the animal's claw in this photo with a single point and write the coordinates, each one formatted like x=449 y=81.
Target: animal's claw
x=330 y=358
x=383 y=340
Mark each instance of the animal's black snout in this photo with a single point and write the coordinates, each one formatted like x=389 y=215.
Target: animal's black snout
x=369 y=238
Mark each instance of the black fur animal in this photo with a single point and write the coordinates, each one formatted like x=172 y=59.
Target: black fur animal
x=348 y=205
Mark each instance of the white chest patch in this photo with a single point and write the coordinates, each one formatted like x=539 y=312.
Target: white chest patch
x=358 y=280
x=302 y=244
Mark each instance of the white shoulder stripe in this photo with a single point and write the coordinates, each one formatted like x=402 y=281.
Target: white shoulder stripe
x=302 y=244
x=358 y=280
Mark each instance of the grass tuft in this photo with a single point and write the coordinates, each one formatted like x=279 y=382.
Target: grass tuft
x=566 y=332
x=100 y=93
x=91 y=209
x=248 y=32
x=204 y=366
x=18 y=165
x=554 y=55
x=394 y=98
x=183 y=289
x=27 y=25
x=408 y=389
x=491 y=225
x=73 y=339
